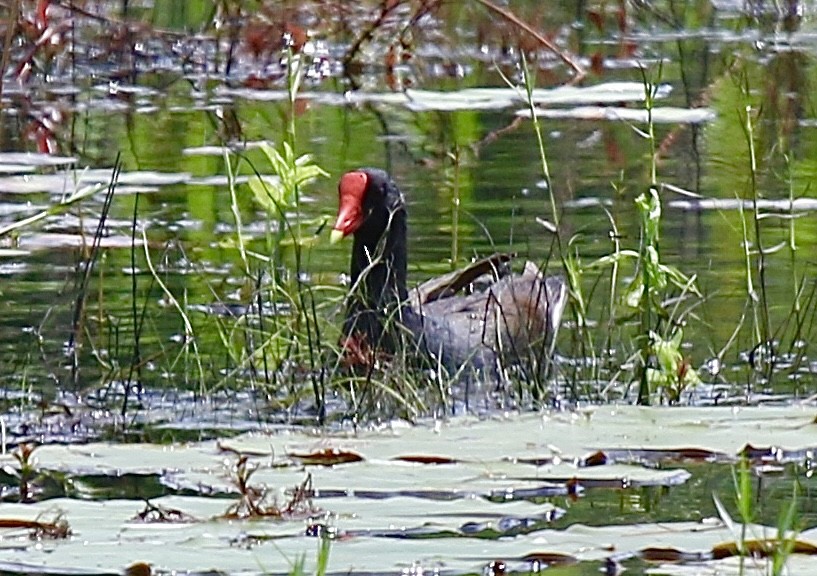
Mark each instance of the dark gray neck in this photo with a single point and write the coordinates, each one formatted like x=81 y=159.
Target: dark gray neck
x=378 y=274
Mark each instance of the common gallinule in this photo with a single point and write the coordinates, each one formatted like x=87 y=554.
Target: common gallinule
x=513 y=322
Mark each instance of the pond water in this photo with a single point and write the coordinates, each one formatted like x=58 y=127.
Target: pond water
x=470 y=169
x=136 y=331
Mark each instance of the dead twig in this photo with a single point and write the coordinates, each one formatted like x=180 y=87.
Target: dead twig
x=494 y=135
x=57 y=530
x=511 y=17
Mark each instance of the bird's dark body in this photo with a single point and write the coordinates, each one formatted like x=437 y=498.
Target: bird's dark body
x=512 y=323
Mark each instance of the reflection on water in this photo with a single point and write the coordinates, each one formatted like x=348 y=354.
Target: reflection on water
x=161 y=318
x=467 y=163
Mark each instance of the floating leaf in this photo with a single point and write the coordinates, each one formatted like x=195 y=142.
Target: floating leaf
x=419 y=459
x=760 y=548
x=667 y=115
x=550 y=559
x=598 y=458
x=327 y=457
x=654 y=554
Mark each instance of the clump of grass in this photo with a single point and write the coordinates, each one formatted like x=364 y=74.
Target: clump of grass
x=659 y=366
x=756 y=285
x=768 y=349
x=778 y=548
x=321 y=561
x=288 y=332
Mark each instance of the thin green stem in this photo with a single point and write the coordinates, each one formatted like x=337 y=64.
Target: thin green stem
x=765 y=322
x=242 y=251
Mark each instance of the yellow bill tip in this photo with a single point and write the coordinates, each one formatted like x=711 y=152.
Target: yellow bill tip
x=336 y=236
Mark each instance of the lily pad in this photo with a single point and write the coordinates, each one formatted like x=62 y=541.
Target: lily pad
x=661 y=115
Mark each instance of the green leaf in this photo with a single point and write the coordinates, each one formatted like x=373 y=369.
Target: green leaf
x=650 y=207
x=634 y=295
x=306 y=172
x=667 y=353
x=269 y=193
x=275 y=195
x=614 y=258
x=304 y=241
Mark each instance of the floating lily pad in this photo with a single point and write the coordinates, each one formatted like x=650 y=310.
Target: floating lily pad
x=500 y=98
x=660 y=115
x=783 y=205
x=33 y=159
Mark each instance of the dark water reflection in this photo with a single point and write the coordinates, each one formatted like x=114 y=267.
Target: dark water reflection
x=159 y=118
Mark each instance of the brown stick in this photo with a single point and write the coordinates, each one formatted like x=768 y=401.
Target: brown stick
x=510 y=17
x=495 y=134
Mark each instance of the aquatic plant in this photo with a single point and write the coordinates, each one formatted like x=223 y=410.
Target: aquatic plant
x=775 y=551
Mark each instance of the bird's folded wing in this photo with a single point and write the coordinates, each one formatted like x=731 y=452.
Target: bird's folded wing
x=453 y=282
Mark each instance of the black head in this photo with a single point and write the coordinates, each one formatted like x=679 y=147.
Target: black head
x=369 y=200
